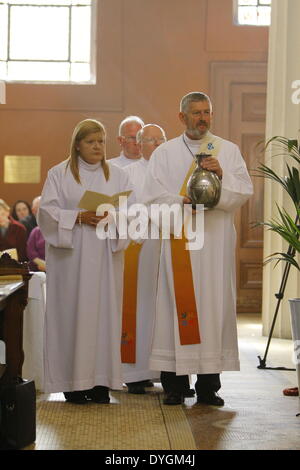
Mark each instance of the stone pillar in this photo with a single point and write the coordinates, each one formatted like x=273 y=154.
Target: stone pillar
x=283 y=118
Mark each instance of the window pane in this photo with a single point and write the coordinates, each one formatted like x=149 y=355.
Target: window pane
x=47 y=2
x=254 y=2
x=3 y=32
x=39 y=71
x=80 y=72
x=248 y=2
x=81 y=2
x=81 y=34
x=253 y=12
x=38 y=2
x=3 y=70
x=247 y=15
x=39 y=33
x=48 y=40
x=264 y=16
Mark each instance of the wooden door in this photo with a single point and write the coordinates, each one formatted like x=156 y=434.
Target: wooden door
x=238 y=91
x=247 y=127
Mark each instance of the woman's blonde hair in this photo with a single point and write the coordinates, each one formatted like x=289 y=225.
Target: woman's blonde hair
x=84 y=128
x=4 y=206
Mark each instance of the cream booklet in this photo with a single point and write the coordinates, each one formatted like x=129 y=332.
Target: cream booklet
x=91 y=200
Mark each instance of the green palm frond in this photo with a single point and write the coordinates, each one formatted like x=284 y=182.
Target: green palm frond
x=283 y=257
x=291 y=182
x=289 y=230
x=284 y=225
x=289 y=147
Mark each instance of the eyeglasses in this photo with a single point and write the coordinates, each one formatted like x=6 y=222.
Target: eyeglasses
x=129 y=138
x=152 y=140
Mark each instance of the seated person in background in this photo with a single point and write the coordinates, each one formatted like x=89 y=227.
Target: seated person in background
x=30 y=221
x=36 y=250
x=20 y=210
x=23 y=213
x=35 y=205
x=12 y=233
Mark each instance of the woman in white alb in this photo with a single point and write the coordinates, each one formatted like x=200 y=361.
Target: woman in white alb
x=84 y=274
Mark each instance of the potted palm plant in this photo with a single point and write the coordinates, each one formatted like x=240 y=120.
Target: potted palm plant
x=287 y=225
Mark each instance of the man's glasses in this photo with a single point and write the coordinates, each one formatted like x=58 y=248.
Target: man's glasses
x=146 y=140
x=129 y=138
x=152 y=140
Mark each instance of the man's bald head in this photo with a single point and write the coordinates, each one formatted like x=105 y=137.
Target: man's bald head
x=149 y=138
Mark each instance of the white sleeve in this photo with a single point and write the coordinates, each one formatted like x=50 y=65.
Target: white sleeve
x=236 y=183
x=159 y=199
x=56 y=223
x=118 y=220
x=154 y=191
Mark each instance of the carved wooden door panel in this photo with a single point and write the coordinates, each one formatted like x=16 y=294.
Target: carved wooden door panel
x=247 y=128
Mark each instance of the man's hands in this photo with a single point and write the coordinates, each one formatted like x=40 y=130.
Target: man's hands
x=90 y=218
x=41 y=264
x=187 y=200
x=212 y=164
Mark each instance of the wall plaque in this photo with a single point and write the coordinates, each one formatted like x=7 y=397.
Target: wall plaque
x=22 y=169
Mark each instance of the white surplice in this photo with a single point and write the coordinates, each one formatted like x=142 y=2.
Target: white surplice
x=146 y=291
x=136 y=173
x=122 y=161
x=84 y=284
x=213 y=266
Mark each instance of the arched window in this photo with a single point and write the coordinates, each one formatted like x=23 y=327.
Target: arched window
x=252 y=12
x=49 y=41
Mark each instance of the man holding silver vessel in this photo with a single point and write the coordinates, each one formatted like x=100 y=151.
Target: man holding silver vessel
x=195 y=327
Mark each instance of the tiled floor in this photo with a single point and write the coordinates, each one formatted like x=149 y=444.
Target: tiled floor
x=128 y=422
x=256 y=415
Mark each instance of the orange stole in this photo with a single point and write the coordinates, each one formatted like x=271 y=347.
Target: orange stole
x=128 y=339
x=184 y=293
x=184 y=285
